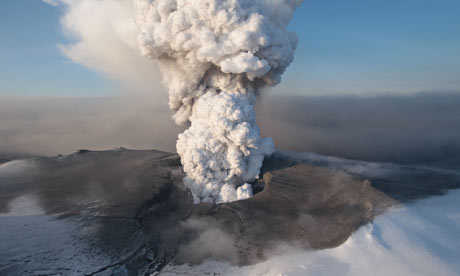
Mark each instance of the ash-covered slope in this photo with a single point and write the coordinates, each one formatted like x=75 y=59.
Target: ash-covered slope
x=302 y=205
x=127 y=212
x=76 y=214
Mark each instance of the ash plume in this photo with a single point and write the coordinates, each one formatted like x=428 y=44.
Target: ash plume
x=215 y=56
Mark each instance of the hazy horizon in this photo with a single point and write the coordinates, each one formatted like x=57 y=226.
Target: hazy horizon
x=417 y=128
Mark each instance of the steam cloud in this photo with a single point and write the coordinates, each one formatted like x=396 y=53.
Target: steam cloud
x=215 y=56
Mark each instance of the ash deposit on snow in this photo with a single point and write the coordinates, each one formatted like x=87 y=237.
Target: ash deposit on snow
x=215 y=57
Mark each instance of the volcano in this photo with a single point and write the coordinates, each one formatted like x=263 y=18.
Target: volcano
x=127 y=212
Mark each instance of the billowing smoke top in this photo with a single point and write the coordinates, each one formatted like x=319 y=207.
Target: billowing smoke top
x=215 y=56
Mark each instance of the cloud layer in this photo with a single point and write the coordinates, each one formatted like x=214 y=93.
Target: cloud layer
x=420 y=128
x=50 y=126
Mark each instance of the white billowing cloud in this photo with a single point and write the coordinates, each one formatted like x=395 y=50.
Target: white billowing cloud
x=244 y=39
x=103 y=35
x=222 y=147
x=215 y=57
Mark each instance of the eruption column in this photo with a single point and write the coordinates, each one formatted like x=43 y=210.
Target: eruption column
x=215 y=56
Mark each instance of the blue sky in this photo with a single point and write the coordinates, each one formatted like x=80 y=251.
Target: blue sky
x=356 y=46
x=30 y=60
x=390 y=45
